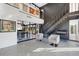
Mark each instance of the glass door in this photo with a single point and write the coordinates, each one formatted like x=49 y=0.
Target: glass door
x=73 y=30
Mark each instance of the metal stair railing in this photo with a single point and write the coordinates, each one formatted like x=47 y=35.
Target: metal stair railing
x=57 y=23
x=63 y=19
x=53 y=22
x=49 y=24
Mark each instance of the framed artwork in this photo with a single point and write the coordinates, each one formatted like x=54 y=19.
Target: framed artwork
x=32 y=10
x=25 y=8
x=19 y=5
x=7 y=26
x=37 y=11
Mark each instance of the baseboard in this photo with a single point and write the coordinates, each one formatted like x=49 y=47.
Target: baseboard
x=24 y=40
x=74 y=40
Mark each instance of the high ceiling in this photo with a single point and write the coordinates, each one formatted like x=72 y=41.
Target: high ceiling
x=40 y=4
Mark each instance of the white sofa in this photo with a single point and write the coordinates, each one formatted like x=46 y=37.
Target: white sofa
x=54 y=39
x=39 y=36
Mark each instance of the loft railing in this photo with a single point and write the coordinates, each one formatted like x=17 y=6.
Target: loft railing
x=65 y=18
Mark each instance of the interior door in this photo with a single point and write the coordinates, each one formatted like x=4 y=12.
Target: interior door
x=73 y=30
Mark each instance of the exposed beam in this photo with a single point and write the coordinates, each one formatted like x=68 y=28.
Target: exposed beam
x=36 y=5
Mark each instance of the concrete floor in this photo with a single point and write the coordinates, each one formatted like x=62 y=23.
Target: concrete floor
x=26 y=49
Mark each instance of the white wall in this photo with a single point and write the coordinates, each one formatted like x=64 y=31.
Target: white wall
x=10 y=13
x=7 y=38
x=74 y=7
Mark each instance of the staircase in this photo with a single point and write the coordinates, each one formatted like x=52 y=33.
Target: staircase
x=51 y=19
x=63 y=34
x=63 y=20
x=60 y=22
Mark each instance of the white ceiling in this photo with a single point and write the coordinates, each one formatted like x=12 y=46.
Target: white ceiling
x=40 y=4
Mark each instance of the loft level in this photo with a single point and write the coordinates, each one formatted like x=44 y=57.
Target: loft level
x=8 y=12
x=25 y=8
